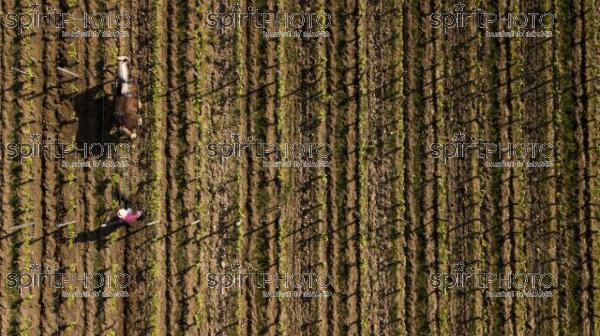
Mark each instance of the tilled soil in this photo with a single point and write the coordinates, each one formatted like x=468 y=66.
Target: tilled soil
x=380 y=219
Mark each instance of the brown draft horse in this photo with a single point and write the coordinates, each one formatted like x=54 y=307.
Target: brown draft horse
x=127 y=101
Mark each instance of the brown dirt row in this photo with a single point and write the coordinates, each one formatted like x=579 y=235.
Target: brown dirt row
x=88 y=218
x=13 y=191
x=487 y=113
x=347 y=226
x=271 y=216
x=537 y=127
x=179 y=236
x=429 y=204
x=411 y=36
x=592 y=102
x=507 y=75
x=22 y=251
x=47 y=305
x=323 y=190
x=5 y=133
x=247 y=82
x=7 y=184
x=583 y=118
x=71 y=184
x=302 y=200
x=171 y=205
x=187 y=136
x=259 y=99
x=112 y=253
x=35 y=185
x=380 y=220
x=138 y=240
x=377 y=99
x=219 y=230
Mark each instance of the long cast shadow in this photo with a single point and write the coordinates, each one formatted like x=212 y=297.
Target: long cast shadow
x=94 y=112
x=100 y=234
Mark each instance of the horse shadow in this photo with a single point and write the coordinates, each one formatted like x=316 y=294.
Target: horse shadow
x=94 y=110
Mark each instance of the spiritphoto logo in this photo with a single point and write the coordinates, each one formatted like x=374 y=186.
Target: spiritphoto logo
x=300 y=284
x=53 y=148
x=286 y=155
x=507 y=284
x=79 y=284
x=49 y=17
x=517 y=24
x=273 y=24
x=523 y=154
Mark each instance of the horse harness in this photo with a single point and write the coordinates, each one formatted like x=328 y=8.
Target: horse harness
x=120 y=113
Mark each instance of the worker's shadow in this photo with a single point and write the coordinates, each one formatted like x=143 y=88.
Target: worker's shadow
x=100 y=235
x=94 y=113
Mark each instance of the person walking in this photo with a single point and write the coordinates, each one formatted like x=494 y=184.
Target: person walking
x=128 y=216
